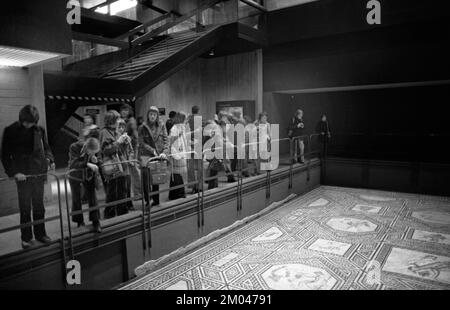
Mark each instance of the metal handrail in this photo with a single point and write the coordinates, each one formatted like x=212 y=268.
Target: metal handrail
x=200 y=196
x=70 y=213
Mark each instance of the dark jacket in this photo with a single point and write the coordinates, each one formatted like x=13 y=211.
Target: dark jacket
x=18 y=156
x=169 y=125
x=294 y=129
x=324 y=129
x=111 y=149
x=153 y=140
x=79 y=161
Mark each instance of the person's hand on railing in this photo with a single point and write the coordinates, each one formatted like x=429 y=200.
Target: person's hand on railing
x=20 y=177
x=163 y=156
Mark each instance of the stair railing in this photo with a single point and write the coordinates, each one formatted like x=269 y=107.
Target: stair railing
x=167 y=26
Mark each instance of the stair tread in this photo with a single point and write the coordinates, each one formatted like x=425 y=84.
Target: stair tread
x=155 y=54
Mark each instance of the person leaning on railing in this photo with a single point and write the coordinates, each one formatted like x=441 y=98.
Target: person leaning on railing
x=83 y=159
x=153 y=142
x=25 y=152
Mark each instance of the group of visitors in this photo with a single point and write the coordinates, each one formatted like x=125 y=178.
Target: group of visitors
x=117 y=157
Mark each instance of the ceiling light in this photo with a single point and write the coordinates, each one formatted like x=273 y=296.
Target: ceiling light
x=17 y=57
x=117 y=6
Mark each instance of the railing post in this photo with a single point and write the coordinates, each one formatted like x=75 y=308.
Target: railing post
x=200 y=212
x=239 y=186
x=144 y=224
x=324 y=157
x=68 y=218
x=61 y=227
x=199 y=195
x=291 y=164
x=149 y=211
x=308 y=172
x=201 y=189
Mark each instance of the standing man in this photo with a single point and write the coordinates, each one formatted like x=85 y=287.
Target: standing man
x=25 y=152
x=325 y=133
x=296 y=129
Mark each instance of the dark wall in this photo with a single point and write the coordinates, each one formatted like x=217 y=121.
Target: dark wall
x=333 y=69
x=404 y=53
x=37 y=25
x=331 y=17
x=395 y=123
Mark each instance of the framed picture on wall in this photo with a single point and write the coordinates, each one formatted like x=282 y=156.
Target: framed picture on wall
x=238 y=108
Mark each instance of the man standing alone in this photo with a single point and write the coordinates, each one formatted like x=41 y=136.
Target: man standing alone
x=26 y=156
x=295 y=130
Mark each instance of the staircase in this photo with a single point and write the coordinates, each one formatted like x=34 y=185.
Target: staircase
x=149 y=58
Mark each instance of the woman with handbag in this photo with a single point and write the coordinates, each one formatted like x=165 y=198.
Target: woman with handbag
x=178 y=148
x=153 y=143
x=114 y=171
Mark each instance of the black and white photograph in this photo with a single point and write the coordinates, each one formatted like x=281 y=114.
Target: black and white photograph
x=228 y=147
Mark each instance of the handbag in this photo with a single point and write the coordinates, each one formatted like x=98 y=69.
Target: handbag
x=159 y=174
x=216 y=165
x=112 y=168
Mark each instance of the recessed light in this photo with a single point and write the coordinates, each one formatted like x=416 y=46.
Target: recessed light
x=17 y=57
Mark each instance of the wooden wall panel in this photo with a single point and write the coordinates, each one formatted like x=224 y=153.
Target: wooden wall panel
x=229 y=78
x=203 y=83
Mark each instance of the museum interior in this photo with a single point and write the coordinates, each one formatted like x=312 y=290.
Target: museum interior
x=358 y=199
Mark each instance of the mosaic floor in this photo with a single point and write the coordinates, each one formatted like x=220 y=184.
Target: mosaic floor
x=331 y=238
